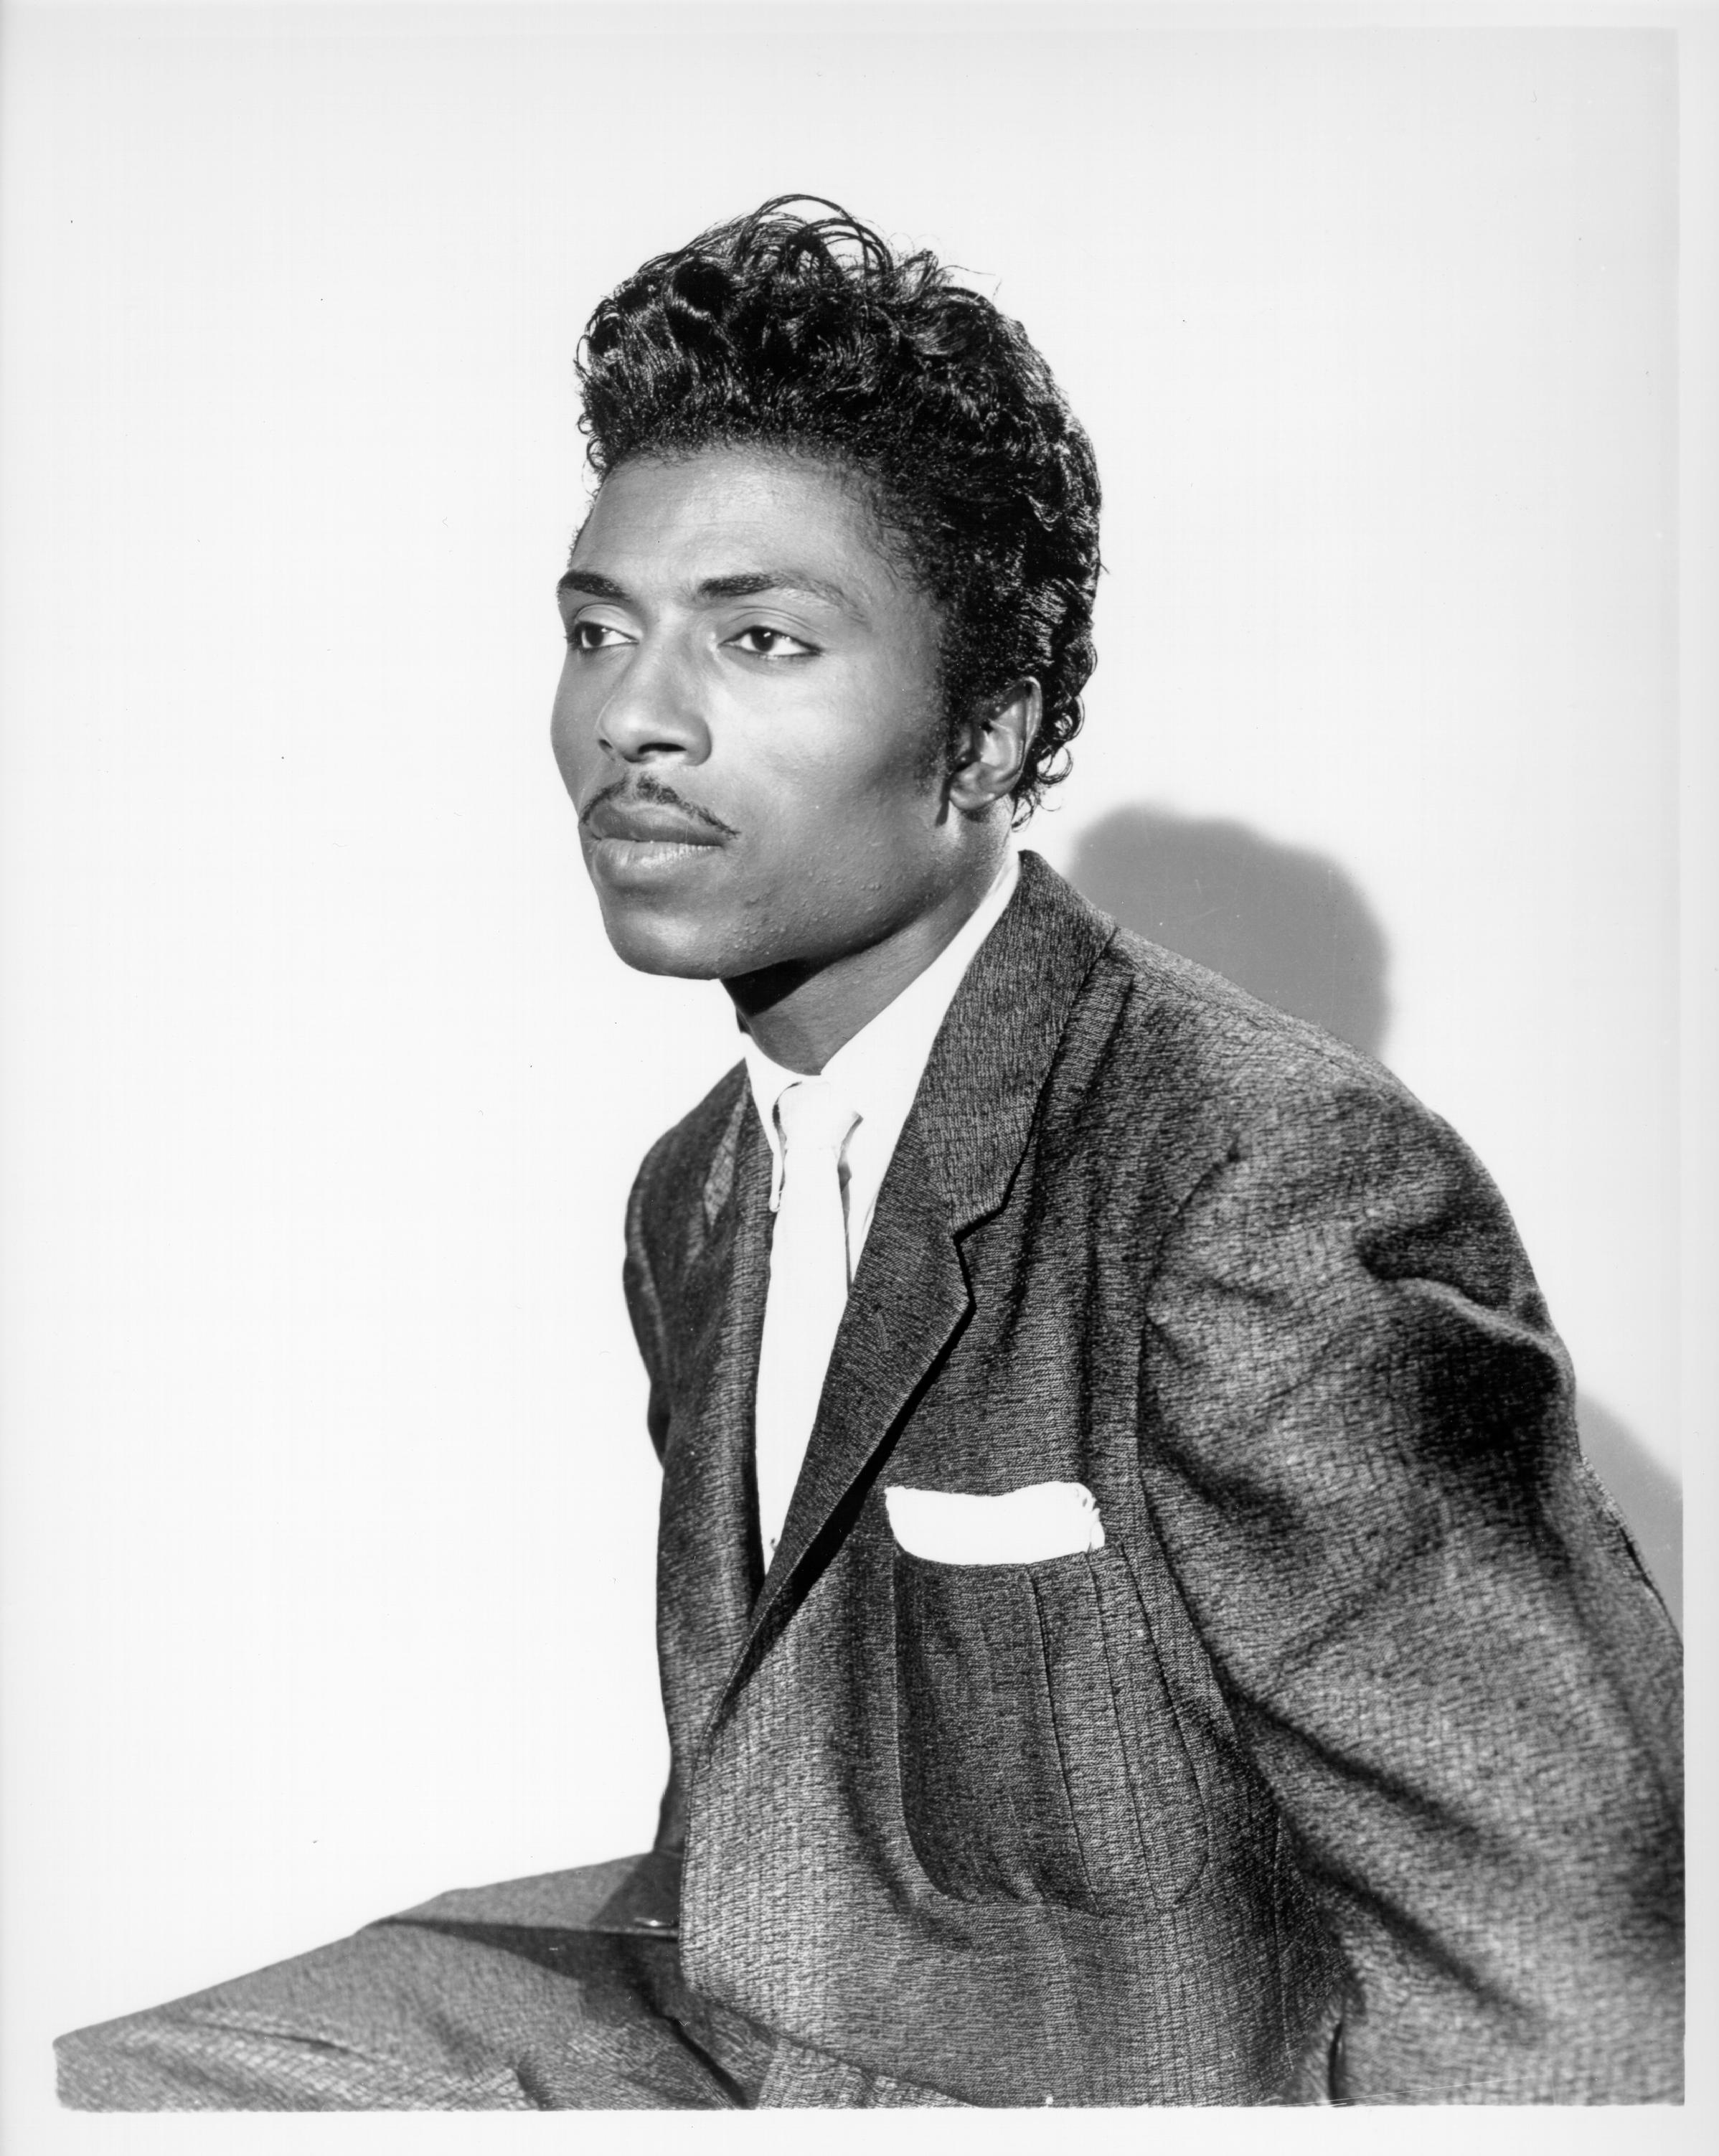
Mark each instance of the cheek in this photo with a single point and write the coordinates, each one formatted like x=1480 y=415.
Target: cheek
x=868 y=755
x=567 y=737
x=838 y=837
x=823 y=825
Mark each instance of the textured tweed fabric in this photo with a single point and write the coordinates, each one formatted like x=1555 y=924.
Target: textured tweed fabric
x=562 y=1993
x=1347 y=1769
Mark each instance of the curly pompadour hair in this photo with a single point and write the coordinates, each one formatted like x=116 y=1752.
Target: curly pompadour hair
x=809 y=334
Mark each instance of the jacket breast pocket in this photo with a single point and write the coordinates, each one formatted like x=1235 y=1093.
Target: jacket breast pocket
x=1041 y=1759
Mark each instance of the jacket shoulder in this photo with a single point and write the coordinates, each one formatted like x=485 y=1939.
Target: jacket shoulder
x=1237 y=1051
x=1239 y=1097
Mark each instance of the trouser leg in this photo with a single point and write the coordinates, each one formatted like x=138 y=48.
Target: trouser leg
x=558 y=1993
x=416 y=2015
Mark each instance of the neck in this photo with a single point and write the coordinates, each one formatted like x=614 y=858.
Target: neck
x=802 y=1013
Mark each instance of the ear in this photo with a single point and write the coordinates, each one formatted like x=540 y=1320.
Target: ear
x=992 y=748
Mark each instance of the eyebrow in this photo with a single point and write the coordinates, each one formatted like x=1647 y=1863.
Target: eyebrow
x=592 y=585
x=744 y=584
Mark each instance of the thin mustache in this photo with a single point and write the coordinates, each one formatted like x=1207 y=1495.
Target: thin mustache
x=654 y=791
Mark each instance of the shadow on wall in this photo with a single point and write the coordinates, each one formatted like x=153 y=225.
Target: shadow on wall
x=1644 y=1493
x=1293 y=929
x=1288 y=926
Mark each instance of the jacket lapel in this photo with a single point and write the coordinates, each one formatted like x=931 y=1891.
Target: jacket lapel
x=708 y=1562
x=957 y=1154
x=908 y=1302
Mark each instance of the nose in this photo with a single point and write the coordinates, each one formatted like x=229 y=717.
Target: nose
x=650 y=709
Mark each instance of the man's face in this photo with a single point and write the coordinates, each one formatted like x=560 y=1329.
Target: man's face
x=747 y=718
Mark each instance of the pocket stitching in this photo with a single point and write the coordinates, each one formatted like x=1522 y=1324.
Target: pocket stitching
x=992 y=1720
x=1094 y=1900
x=1194 y=1774
x=1172 y=1893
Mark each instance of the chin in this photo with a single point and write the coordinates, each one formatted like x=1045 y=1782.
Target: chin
x=679 y=948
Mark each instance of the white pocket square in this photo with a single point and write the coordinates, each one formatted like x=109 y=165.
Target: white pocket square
x=1022 y=1526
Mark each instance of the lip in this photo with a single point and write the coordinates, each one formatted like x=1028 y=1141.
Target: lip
x=630 y=864
x=639 y=844
x=652 y=825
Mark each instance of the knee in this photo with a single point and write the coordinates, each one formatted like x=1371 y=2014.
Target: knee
x=140 y=2063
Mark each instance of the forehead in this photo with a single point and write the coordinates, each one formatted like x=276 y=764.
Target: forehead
x=728 y=511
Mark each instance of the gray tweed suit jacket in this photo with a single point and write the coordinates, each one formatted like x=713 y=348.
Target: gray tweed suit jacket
x=1348 y=1767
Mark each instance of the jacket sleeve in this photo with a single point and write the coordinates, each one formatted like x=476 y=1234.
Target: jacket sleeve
x=1359 y=1449
x=644 y=1309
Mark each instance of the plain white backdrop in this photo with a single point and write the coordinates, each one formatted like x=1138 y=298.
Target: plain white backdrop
x=330 y=1509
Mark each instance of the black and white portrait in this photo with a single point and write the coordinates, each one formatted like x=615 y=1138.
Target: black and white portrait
x=845 y=862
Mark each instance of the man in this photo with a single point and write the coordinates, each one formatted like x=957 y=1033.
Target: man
x=1135 y=1626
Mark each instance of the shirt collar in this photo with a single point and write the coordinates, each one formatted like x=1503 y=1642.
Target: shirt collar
x=880 y=1069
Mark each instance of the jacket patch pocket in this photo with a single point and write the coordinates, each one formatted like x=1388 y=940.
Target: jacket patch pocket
x=1041 y=1759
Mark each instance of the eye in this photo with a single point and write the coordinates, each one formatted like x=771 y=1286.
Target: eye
x=594 y=636
x=759 y=641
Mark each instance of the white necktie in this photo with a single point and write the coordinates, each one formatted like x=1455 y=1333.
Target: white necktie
x=807 y=1292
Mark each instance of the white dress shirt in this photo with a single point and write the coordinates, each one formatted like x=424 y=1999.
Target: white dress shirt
x=877 y=1073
